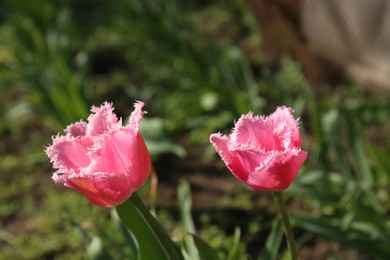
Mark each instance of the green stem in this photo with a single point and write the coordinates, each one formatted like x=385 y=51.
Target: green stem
x=287 y=225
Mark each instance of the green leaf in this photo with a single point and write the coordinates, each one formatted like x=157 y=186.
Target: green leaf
x=185 y=203
x=153 y=241
x=206 y=252
x=130 y=240
x=330 y=123
x=356 y=237
x=96 y=251
x=361 y=163
x=235 y=248
x=196 y=248
x=273 y=241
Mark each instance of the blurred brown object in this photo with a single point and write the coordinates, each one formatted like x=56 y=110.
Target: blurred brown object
x=331 y=39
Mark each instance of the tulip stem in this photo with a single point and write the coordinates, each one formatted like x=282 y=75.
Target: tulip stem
x=287 y=225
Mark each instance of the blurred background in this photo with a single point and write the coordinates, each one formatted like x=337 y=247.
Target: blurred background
x=199 y=65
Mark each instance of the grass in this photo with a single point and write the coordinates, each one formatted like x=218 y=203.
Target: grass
x=57 y=61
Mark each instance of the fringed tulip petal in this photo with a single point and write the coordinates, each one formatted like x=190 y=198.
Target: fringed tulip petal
x=279 y=174
x=142 y=168
x=255 y=132
x=112 y=152
x=286 y=126
x=77 y=129
x=102 y=120
x=136 y=116
x=102 y=189
x=221 y=146
x=69 y=154
x=121 y=152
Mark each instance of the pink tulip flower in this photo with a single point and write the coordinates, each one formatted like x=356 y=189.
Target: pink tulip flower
x=102 y=159
x=263 y=152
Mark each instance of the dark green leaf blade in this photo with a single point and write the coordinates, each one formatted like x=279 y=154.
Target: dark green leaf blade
x=153 y=242
x=206 y=252
x=185 y=203
x=234 y=252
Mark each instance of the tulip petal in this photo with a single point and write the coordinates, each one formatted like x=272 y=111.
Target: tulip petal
x=121 y=152
x=279 y=173
x=102 y=189
x=235 y=160
x=111 y=152
x=251 y=160
x=69 y=154
x=220 y=144
x=77 y=129
x=287 y=126
x=255 y=132
x=102 y=120
x=142 y=165
x=136 y=116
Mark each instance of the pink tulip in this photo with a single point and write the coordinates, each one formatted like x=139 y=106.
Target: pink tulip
x=102 y=159
x=263 y=152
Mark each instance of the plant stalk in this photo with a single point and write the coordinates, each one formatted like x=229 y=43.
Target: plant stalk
x=287 y=225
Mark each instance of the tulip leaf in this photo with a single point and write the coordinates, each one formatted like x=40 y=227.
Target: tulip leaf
x=273 y=241
x=361 y=164
x=95 y=250
x=206 y=252
x=196 y=248
x=130 y=240
x=356 y=237
x=235 y=248
x=185 y=202
x=153 y=241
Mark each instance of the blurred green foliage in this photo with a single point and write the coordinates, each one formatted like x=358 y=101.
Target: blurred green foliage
x=184 y=59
